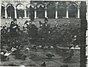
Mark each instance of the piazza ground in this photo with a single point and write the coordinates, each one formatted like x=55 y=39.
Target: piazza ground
x=38 y=57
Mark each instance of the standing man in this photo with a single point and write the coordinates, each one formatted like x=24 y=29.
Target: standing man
x=32 y=30
x=14 y=28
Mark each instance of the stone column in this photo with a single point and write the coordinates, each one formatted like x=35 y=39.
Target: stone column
x=35 y=14
x=67 y=6
x=5 y=12
x=78 y=15
x=45 y=13
x=15 y=12
x=56 y=15
x=46 y=9
x=67 y=13
x=25 y=13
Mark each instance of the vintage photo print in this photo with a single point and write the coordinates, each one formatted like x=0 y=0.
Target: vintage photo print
x=43 y=33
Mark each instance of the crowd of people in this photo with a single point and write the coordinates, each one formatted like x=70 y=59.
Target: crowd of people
x=13 y=39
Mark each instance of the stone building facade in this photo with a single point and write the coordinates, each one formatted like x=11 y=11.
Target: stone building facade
x=40 y=9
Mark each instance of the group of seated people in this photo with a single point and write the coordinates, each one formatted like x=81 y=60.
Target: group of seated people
x=28 y=26
x=44 y=35
x=8 y=34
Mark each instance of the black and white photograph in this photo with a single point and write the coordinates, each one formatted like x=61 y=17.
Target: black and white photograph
x=44 y=33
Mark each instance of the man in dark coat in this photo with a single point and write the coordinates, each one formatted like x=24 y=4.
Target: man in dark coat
x=14 y=28
x=32 y=30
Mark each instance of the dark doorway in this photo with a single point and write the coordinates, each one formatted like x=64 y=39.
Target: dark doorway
x=72 y=11
x=61 y=11
x=51 y=11
x=30 y=12
x=2 y=11
x=10 y=11
x=20 y=11
x=40 y=12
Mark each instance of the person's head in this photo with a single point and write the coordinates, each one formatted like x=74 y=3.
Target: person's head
x=12 y=22
x=4 y=27
x=28 y=21
x=15 y=20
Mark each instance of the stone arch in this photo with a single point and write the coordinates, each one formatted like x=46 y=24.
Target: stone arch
x=20 y=6
x=30 y=11
x=61 y=10
x=40 y=11
x=10 y=10
x=40 y=5
x=29 y=5
x=72 y=11
x=72 y=3
x=20 y=10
